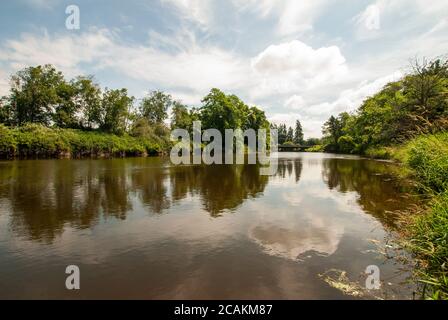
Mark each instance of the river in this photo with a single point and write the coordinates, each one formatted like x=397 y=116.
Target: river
x=143 y=228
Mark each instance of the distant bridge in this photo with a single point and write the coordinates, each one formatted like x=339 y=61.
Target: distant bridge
x=292 y=148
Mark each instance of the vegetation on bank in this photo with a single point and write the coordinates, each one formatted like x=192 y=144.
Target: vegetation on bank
x=408 y=121
x=46 y=115
x=427 y=158
x=414 y=105
x=37 y=141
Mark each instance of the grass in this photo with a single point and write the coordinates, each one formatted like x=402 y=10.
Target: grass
x=317 y=148
x=427 y=158
x=35 y=141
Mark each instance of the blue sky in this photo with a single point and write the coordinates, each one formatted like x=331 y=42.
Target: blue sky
x=295 y=59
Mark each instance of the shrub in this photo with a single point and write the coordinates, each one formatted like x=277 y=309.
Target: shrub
x=428 y=157
x=7 y=142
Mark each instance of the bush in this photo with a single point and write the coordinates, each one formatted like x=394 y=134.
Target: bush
x=428 y=157
x=7 y=142
x=430 y=244
x=380 y=152
x=317 y=148
x=37 y=141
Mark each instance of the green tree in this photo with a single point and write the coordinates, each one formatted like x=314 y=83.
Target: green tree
x=88 y=101
x=298 y=133
x=6 y=115
x=332 y=129
x=181 y=117
x=221 y=111
x=66 y=110
x=115 y=111
x=155 y=106
x=290 y=135
x=282 y=134
x=34 y=94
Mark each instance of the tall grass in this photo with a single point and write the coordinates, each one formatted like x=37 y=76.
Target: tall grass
x=427 y=157
x=35 y=141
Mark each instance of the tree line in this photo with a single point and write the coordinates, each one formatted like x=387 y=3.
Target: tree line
x=416 y=104
x=42 y=95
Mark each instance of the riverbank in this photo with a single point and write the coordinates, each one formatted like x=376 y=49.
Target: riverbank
x=36 y=141
x=425 y=159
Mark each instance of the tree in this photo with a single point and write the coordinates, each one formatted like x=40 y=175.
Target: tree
x=66 y=110
x=256 y=119
x=34 y=94
x=282 y=134
x=221 y=111
x=298 y=134
x=115 y=110
x=155 y=106
x=290 y=135
x=181 y=117
x=6 y=115
x=88 y=101
x=332 y=130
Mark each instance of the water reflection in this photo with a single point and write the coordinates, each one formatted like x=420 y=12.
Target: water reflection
x=193 y=232
x=379 y=191
x=45 y=195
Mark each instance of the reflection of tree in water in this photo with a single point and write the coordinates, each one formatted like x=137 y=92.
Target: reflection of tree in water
x=150 y=185
x=222 y=187
x=44 y=196
x=380 y=192
x=289 y=167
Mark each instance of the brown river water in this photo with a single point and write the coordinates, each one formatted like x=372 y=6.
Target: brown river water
x=142 y=228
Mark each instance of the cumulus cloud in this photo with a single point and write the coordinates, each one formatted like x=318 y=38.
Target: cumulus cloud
x=295 y=102
x=194 y=67
x=66 y=52
x=348 y=100
x=294 y=65
x=191 y=69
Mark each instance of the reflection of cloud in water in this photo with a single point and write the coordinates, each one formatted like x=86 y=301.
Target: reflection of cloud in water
x=292 y=242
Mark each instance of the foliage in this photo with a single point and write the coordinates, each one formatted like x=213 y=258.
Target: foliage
x=115 y=111
x=155 y=106
x=38 y=141
x=298 y=134
x=316 y=148
x=34 y=94
x=417 y=104
x=427 y=158
x=430 y=244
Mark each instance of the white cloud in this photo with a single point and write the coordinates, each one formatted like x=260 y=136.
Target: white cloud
x=193 y=67
x=293 y=16
x=293 y=66
x=295 y=102
x=4 y=83
x=313 y=116
x=190 y=69
x=198 y=11
x=368 y=22
x=65 y=52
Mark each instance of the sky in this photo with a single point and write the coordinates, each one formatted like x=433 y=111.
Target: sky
x=294 y=59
